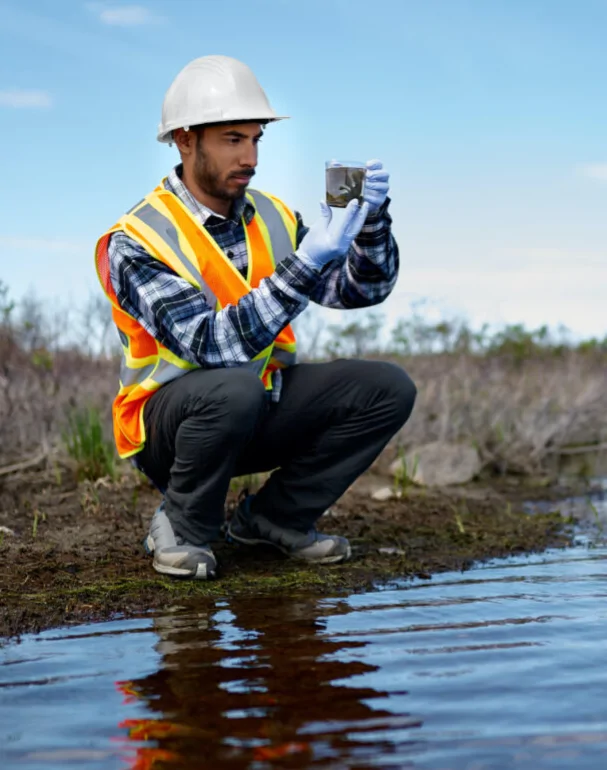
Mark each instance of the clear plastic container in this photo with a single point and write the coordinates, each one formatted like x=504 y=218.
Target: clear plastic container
x=345 y=180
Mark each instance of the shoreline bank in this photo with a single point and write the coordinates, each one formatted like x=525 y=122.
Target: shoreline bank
x=74 y=554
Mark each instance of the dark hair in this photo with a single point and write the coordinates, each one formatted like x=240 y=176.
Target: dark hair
x=200 y=127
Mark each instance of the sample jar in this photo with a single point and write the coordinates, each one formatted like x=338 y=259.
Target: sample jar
x=344 y=180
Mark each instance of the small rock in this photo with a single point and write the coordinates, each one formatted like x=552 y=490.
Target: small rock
x=7 y=531
x=333 y=513
x=383 y=494
x=391 y=551
x=440 y=463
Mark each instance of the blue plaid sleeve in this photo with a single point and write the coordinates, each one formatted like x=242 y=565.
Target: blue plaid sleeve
x=176 y=314
x=368 y=274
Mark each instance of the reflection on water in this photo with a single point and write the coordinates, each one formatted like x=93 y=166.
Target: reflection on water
x=499 y=667
x=244 y=681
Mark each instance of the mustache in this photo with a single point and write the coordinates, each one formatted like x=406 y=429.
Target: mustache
x=249 y=173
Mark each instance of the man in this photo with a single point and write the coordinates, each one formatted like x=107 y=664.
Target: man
x=205 y=278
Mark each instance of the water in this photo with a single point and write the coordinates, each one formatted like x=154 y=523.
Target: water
x=499 y=667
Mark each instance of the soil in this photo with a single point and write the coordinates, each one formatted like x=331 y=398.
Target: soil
x=74 y=551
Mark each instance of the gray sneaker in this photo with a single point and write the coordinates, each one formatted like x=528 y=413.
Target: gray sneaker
x=173 y=556
x=309 y=546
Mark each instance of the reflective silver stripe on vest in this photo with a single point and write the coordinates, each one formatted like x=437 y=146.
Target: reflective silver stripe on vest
x=161 y=374
x=283 y=356
x=167 y=371
x=130 y=211
x=257 y=366
x=134 y=375
x=280 y=239
x=163 y=227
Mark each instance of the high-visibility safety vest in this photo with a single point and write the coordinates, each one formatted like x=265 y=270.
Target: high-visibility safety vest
x=170 y=233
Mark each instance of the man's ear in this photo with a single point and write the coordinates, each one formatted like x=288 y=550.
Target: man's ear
x=184 y=140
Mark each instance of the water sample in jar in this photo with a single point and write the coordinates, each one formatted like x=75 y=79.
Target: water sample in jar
x=345 y=180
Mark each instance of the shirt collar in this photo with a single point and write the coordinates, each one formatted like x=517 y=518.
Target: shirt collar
x=241 y=207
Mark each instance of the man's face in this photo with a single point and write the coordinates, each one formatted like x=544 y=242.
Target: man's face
x=225 y=159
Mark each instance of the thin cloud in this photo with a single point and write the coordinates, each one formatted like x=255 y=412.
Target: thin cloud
x=594 y=171
x=25 y=243
x=22 y=99
x=549 y=255
x=123 y=15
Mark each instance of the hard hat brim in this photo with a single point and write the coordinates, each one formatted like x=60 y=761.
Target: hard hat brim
x=165 y=135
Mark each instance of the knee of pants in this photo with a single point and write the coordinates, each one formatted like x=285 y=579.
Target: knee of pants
x=400 y=390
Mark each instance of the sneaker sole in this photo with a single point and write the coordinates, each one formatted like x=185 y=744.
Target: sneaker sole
x=201 y=572
x=331 y=559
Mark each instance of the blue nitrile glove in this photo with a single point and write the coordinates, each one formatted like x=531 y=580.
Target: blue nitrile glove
x=376 y=185
x=327 y=240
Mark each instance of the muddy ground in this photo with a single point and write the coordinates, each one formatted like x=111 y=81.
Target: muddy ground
x=74 y=552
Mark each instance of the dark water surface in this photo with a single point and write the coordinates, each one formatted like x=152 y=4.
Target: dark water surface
x=502 y=666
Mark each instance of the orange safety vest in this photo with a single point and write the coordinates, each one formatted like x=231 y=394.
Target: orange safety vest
x=169 y=232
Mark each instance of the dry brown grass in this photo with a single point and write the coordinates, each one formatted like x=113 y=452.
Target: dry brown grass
x=48 y=371
x=519 y=414
x=39 y=390
x=519 y=404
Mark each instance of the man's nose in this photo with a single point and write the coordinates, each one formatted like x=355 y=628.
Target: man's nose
x=249 y=155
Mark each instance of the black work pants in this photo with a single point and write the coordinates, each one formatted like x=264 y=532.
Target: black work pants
x=332 y=421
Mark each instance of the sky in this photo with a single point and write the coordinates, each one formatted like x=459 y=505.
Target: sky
x=490 y=115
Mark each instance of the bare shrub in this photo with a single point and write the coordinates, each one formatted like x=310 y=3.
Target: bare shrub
x=44 y=376
x=517 y=415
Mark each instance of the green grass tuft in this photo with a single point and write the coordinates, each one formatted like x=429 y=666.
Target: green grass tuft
x=86 y=443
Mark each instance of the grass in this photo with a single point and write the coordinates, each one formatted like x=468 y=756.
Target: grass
x=38 y=517
x=86 y=444
x=290 y=580
x=403 y=478
x=599 y=523
x=250 y=482
x=460 y=524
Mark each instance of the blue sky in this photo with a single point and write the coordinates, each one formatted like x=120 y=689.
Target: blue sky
x=490 y=115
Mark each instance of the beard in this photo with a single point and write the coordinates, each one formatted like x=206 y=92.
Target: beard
x=212 y=181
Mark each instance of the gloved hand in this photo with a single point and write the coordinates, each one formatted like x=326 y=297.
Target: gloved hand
x=327 y=240
x=376 y=185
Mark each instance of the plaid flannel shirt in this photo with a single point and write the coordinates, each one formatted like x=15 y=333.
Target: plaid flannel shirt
x=176 y=313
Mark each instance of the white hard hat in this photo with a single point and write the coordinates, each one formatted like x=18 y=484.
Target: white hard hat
x=213 y=89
